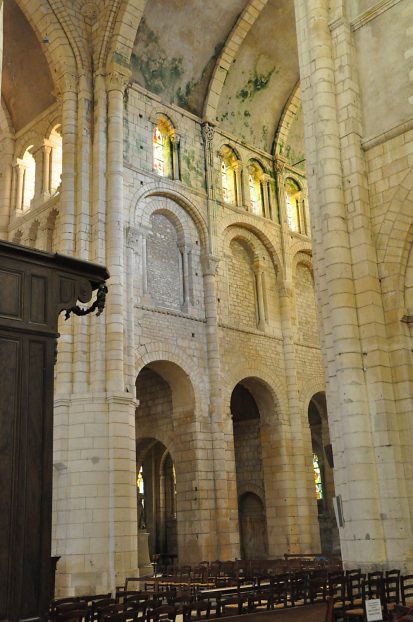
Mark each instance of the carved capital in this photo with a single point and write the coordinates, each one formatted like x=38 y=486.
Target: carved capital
x=69 y=83
x=280 y=164
x=174 y=137
x=258 y=264
x=209 y=265
x=118 y=80
x=208 y=132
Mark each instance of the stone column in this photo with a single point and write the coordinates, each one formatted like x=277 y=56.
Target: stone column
x=122 y=542
x=47 y=151
x=69 y=143
x=239 y=184
x=185 y=276
x=115 y=83
x=37 y=153
x=266 y=192
x=175 y=141
x=81 y=356
x=362 y=537
x=97 y=224
x=18 y=185
x=305 y=524
x=132 y=244
x=226 y=504
x=66 y=245
x=208 y=138
x=258 y=271
x=374 y=334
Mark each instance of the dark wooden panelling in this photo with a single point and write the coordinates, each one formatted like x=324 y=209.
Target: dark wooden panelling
x=11 y=293
x=38 y=299
x=34 y=287
x=9 y=376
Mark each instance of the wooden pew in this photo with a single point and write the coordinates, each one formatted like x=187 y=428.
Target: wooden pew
x=319 y=612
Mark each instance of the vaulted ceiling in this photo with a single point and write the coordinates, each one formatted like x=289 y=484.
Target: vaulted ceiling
x=234 y=63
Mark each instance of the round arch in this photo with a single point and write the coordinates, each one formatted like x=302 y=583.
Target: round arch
x=234 y=221
x=158 y=191
x=190 y=373
x=259 y=377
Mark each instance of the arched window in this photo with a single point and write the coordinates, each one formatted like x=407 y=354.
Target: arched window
x=319 y=493
x=228 y=176
x=29 y=176
x=140 y=489
x=55 y=160
x=165 y=153
x=256 y=188
x=295 y=208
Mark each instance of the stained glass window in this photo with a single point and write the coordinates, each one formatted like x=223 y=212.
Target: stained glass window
x=158 y=152
x=228 y=183
x=255 y=187
x=293 y=198
x=28 y=179
x=139 y=482
x=317 y=477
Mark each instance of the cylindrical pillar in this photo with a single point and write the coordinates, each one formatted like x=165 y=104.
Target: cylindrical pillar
x=362 y=537
x=98 y=235
x=116 y=83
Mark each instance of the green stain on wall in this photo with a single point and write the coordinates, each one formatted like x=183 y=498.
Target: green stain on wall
x=191 y=169
x=191 y=95
x=150 y=60
x=257 y=82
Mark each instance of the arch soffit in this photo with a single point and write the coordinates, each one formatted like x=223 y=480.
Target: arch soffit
x=303 y=258
x=157 y=115
x=239 y=374
x=122 y=38
x=158 y=191
x=250 y=487
x=287 y=117
x=143 y=448
x=254 y=237
x=147 y=355
x=55 y=121
x=61 y=53
x=257 y=162
x=392 y=248
x=226 y=151
x=395 y=237
x=316 y=385
x=38 y=132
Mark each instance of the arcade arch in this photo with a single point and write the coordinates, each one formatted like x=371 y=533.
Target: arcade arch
x=322 y=461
